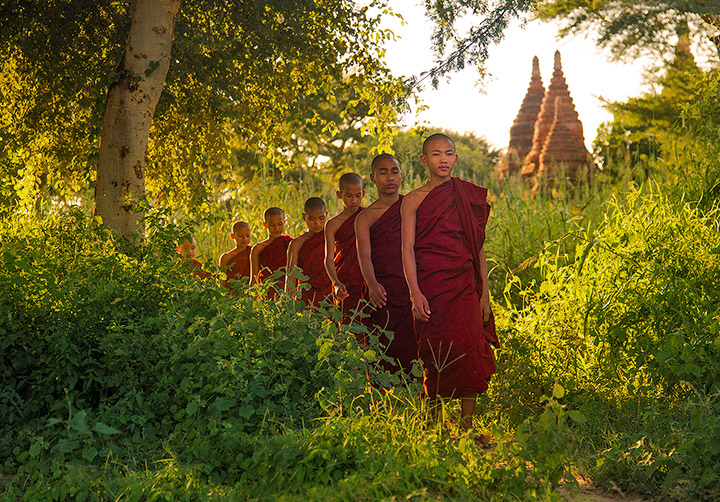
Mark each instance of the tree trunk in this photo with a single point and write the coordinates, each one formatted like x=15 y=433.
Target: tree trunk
x=129 y=111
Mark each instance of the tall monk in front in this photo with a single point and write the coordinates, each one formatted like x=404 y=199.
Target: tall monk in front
x=443 y=232
x=341 y=260
x=377 y=231
x=307 y=252
x=236 y=262
x=270 y=255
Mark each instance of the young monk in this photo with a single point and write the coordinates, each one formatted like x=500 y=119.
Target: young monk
x=187 y=249
x=443 y=231
x=269 y=255
x=236 y=262
x=340 y=251
x=308 y=252
x=377 y=231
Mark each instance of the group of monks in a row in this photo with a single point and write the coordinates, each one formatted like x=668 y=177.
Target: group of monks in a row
x=415 y=264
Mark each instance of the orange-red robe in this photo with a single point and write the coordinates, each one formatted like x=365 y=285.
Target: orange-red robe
x=195 y=268
x=238 y=268
x=311 y=259
x=271 y=258
x=454 y=345
x=347 y=266
x=396 y=315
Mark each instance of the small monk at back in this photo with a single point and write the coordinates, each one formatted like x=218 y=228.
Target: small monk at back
x=187 y=247
x=308 y=253
x=378 y=234
x=271 y=254
x=341 y=260
x=443 y=232
x=236 y=262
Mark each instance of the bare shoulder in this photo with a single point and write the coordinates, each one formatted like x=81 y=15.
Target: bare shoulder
x=363 y=219
x=412 y=200
x=298 y=241
x=333 y=224
x=259 y=246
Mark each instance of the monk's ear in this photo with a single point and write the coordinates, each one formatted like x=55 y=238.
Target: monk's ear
x=338 y=194
x=423 y=159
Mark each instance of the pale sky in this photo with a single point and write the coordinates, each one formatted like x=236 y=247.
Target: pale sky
x=460 y=105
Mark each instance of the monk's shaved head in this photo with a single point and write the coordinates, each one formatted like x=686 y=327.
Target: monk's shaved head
x=239 y=225
x=185 y=237
x=381 y=157
x=314 y=204
x=435 y=137
x=273 y=211
x=349 y=179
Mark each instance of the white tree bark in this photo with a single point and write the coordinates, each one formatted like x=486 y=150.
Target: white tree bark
x=129 y=111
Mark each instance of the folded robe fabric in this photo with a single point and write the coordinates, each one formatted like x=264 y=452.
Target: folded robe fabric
x=311 y=259
x=396 y=315
x=347 y=267
x=238 y=268
x=454 y=345
x=271 y=258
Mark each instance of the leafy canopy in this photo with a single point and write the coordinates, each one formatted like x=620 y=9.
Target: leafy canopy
x=239 y=71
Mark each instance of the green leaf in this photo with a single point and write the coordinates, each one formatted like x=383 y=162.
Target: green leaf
x=577 y=416
x=77 y=423
x=558 y=391
x=102 y=428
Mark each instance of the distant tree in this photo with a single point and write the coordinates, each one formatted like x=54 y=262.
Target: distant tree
x=643 y=128
x=630 y=27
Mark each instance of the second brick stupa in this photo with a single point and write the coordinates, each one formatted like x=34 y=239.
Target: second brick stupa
x=558 y=144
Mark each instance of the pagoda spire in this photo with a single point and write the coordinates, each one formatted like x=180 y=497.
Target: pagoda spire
x=521 y=132
x=558 y=88
x=564 y=149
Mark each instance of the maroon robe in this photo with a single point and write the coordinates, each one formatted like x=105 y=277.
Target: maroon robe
x=396 y=315
x=454 y=345
x=195 y=267
x=311 y=259
x=271 y=258
x=347 y=266
x=238 y=268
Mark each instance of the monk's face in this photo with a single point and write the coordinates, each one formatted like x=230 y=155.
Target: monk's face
x=439 y=157
x=241 y=237
x=351 y=196
x=315 y=220
x=187 y=249
x=387 y=176
x=275 y=225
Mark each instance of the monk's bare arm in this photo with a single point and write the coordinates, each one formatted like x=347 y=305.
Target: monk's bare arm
x=223 y=260
x=485 y=296
x=376 y=292
x=291 y=261
x=408 y=212
x=330 y=230
x=255 y=264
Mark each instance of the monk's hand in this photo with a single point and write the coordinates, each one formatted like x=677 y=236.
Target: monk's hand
x=485 y=305
x=340 y=290
x=420 y=307
x=377 y=294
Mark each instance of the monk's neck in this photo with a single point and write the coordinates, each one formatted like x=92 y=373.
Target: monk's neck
x=347 y=213
x=270 y=238
x=437 y=181
x=386 y=200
